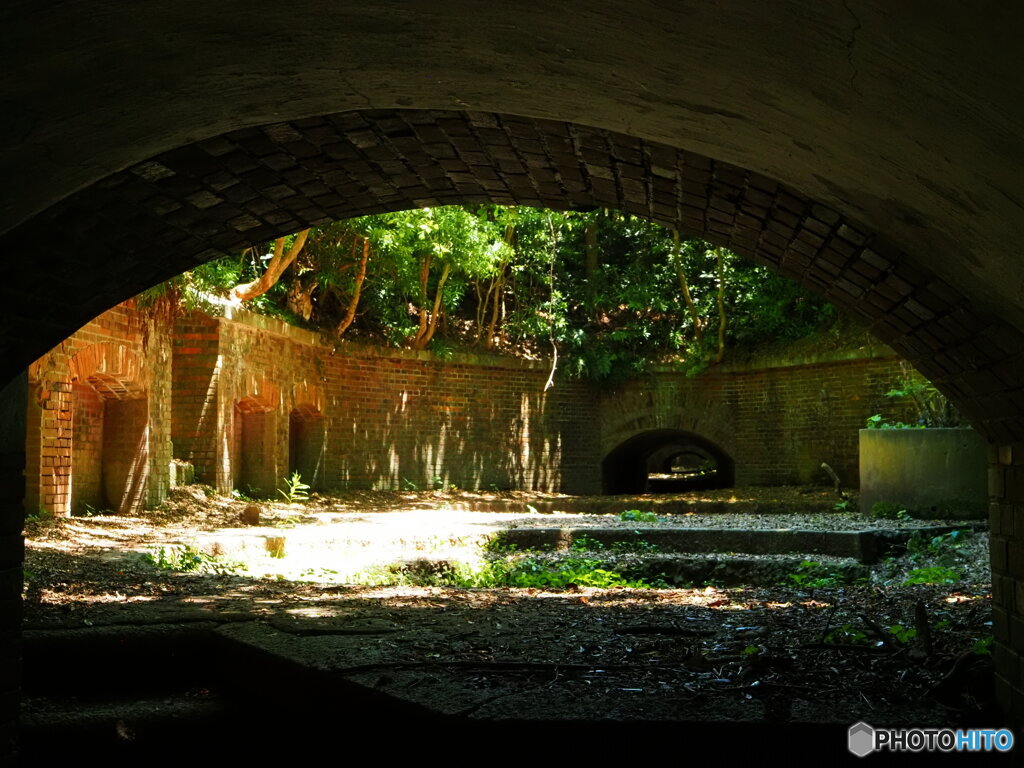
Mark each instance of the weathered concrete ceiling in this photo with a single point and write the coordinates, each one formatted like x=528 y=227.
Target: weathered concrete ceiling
x=905 y=116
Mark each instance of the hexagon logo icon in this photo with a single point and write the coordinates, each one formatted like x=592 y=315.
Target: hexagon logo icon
x=860 y=739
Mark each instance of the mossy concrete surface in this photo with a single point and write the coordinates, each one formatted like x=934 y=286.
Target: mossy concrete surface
x=928 y=472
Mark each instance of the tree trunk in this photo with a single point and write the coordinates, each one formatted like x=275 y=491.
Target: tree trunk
x=499 y=283
x=721 y=305
x=684 y=287
x=279 y=262
x=421 y=341
x=356 y=290
x=424 y=277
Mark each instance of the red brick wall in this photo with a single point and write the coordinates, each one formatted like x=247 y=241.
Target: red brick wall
x=194 y=415
x=394 y=418
x=778 y=421
x=253 y=399
x=126 y=461
x=115 y=368
x=390 y=418
x=86 y=448
x=307 y=446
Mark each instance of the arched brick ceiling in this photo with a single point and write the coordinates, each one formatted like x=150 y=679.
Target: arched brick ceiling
x=903 y=121
x=159 y=216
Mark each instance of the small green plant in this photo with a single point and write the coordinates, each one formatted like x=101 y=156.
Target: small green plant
x=812 y=575
x=751 y=650
x=499 y=543
x=188 y=559
x=42 y=515
x=237 y=494
x=847 y=634
x=983 y=646
x=933 y=408
x=935 y=574
x=294 y=489
x=637 y=516
x=586 y=544
x=936 y=550
x=877 y=422
x=888 y=510
x=409 y=485
x=637 y=545
x=902 y=634
x=842 y=506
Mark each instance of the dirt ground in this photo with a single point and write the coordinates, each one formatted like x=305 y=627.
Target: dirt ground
x=884 y=652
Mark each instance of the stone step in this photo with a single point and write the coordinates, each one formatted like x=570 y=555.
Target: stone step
x=866 y=546
x=667 y=505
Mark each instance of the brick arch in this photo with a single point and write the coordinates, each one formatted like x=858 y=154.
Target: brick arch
x=248 y=185
x=700 y=424
x=262 y=395
x=626 y=467
x=307 y=399
x=112 y=369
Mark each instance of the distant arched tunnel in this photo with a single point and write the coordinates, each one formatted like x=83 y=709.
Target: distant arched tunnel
x=666 y=461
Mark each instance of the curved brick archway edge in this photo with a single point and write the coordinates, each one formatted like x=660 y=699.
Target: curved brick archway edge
x=185 y=206
x=903 y=118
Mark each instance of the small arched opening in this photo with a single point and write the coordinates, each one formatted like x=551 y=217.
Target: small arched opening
x=306 y=445
x=109 y=445
x=254 y=469
x=666 y=461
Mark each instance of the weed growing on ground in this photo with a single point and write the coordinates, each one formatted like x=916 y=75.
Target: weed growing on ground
x=983 y=646
x=888 y=510
x=940 y=550
x=499 y=543
x=88 y=510
x=294 y=489
x=813 y=575
x=41 y=517
x=188 y=559
x=637 y=516
x=847 y=634
x=522 y=572
x=902 y=634
x=586 y=544
x=935 y=574
x=638 y=545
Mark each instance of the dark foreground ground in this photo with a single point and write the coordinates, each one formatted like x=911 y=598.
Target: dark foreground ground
x=125 y=659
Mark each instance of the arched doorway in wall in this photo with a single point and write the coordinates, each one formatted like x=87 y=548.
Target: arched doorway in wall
x=307 y=445
x=666 y=461
x=254 y=446
x=110 y=452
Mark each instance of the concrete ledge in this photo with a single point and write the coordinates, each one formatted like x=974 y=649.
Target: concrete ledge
x=867 y=546
x=930 y=472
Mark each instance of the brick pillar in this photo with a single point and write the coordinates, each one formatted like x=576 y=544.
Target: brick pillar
x=1006 y=490
x=13 y=402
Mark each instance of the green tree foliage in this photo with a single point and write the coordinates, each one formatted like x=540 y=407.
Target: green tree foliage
x=614 y=293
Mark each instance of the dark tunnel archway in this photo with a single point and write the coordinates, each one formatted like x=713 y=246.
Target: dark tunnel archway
x=900 y=194
x=666 y=461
